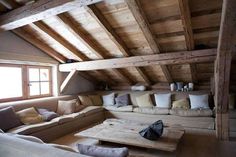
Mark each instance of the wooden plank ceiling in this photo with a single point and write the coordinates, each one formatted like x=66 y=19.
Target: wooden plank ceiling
x=122 y=28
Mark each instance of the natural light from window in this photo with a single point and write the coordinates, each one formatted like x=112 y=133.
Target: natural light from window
x=10 y=82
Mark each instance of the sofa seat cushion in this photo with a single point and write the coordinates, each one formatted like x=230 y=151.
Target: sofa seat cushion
x=29 y=129
x=192 y=112
x=91 y=110
x=128 y=108
x=153 y=110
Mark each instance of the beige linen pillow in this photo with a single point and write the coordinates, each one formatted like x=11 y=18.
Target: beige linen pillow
x=85 y=100
x=66 y=106
x=144 y=101
x=181 y=104
x=96 y=99
x=29 y=116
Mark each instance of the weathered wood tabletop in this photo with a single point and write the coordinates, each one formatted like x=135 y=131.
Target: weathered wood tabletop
x=127 y=132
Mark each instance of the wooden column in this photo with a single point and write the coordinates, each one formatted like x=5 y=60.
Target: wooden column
x=222 y=67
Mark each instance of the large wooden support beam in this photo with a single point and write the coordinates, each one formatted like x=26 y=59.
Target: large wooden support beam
x=188 y=33
x=65 y=83
x=222 y=68
x=39 y=44
x=39 y=10
x=105 y=25
x=139 y=15
x=196 y=56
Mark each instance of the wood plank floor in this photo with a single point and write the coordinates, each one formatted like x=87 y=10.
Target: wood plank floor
x=195 y=143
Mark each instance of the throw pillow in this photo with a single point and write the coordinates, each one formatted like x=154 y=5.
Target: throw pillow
x=66 y=107
x=29 y=116
x=85 y=100
x=79 y=106
x=199 y=101
x=109 y=99
x=163 y=100
x=47 y=115
x=96 y=99
x=144 y=101
x=8 y=119
x=122 y=100
x=181 y=104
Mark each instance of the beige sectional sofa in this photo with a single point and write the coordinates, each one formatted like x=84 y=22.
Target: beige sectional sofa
x=199 y=119
x=48 y=131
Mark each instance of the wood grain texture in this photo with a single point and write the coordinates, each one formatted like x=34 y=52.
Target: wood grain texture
x=67 y=80
x=139 y=15
x=156 y=59
x=126 y=132
x=223 y=66
x=38 y=11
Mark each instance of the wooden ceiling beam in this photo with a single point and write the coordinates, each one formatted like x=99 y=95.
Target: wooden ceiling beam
x=139 y=15
x=79 y=56
x=39 y=44
x=66 y=20
x=39 y=10
x=188 y=33
x=69 y=77
x=120 y=44
x=225 y=49
x=183 y=57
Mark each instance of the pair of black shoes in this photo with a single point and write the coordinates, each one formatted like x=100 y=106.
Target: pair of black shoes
x=153 y=131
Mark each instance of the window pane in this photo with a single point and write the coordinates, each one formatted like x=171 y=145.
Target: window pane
x=33 y=74
x=44 y=74
x=34 y=89
x=45 y=88
x=10 y=82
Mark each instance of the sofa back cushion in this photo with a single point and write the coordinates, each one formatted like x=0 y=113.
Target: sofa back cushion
x=109 y=99
x=8 y=119
x=66 y=107
x=163 y=100
x=199 y=101
x=29 y=116
x=181 y=104
x=144 y=101
x=96 y=100
x=122 y=100
x=85 y=100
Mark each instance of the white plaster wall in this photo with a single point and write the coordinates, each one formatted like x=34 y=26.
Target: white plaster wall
x=13 y=49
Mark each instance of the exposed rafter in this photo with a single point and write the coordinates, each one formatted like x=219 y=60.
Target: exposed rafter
x=39 y=44
x=104 y=24
x=57 y=37
x=188 y=33
x=196 y=56
x=39 y=10
x=225 y=48
x=66 y=20
x=139 y=15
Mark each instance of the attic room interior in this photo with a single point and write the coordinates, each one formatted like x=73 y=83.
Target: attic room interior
x=117 y=78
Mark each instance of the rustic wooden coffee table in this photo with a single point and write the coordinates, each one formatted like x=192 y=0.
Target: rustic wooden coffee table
x=127 y=132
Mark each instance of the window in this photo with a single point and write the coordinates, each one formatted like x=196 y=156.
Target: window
x=24 y=82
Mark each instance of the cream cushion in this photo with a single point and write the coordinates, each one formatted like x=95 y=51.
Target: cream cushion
x=144 y=101
x=96 y=99
x=29 y=116
x=85 y=100
x=181 y=104
x=153 y=110
x=128 y=108
x=109 y=99
x=199 y=101
x=192 y=112
x=163 y=100
x=66 y=107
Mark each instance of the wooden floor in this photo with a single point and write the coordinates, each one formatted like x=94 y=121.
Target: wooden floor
x=195 y=143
